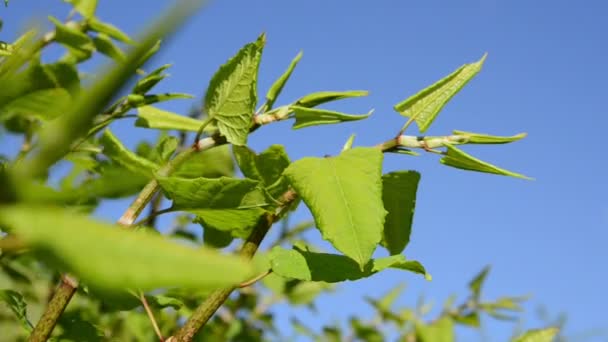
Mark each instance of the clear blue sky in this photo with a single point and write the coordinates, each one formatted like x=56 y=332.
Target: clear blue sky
x=545 y=75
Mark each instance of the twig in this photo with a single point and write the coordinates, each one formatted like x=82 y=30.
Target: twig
x=150 y=314
x=255 y=279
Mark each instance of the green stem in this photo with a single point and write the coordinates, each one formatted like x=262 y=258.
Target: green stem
x=60 y=300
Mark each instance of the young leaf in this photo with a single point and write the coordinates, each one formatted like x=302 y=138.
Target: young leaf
x=266 y=167
x=226 y=204
x=477 y=282
x=14 y=300
x=151 y=117
x=104 y=45
x=85 y=7
x=92 y=250
x=426 y=104
x=306 y=117
x=109 y=29
x=150 y=80
x=138 y=100
x=166 y=147
x=232 y=93
x=278 y=85
x=45 y=104
x=315 y=99
x=538 y=335
x=384 y=304
x=331 y=268
x=441 y=330
x=344 y=194
x=79 y=44
x=349 y=143
x=478 y=138
x=115 y=150
x=399 y=197
x=457 y=158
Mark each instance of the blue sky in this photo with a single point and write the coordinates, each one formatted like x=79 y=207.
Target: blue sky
x=543 y=76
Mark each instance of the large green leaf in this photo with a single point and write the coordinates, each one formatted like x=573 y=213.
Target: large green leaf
x=306 y=117
x=92 y=250
x=232 y=93
x=45 y=104
x=442 y=330
x=344 y=194
x=115 y=150
x=399 y=197
x=14 y=300
x=315 y=99
x=226 y=204
x=538 y=335
x=151 y=117
x=426 y=104
x=331 y=268
x=479 y=138
x=277 y=86
x=457 y=158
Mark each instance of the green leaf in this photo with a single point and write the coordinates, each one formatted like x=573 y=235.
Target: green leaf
x=166 y=147
x=306 y=117
x=399 y=197
x=304 y=292
x=277 y=86
x=470 y=319
x=457 y=158
x=115 y=150
x=151 y=117
x=232 y=93
x=349 y=143
x=85 y=7
x=385 y=303
x=212 y=163
x=216 y=238
x=14 y=300
x=266 y=167
x=104 y=44
x=45 y=104
x=150 y=80
x=91 y=250
x=79 y=45
x=344 y=194
x=108 y=29
x=315 y=99
x=479 y=138
x=161 y=302
x=226 y=204
x=441 y=330
x=331 y=268
x=538 y=335
x=426 y=104
x=477 y=283
x=138 y=100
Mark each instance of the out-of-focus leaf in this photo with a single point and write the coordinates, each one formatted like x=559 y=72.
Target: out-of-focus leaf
x=441 y=330
x=479 y=138
x=138 y=100
x=109 y=29
x=150 y=80
x=104 y=44
x=399 y=198
x=85 y=7
x=45 y=104
x=14 y=300
x=80 y=46
x=457 y=158
x=315 y=99
x=162 y=301
x=115 y=150
x=349 y=143
x=331 y=268
x=424 y=106
x=366 y=332
x=305 y=292
x=216 y=238
x=344 y=194
x=306 y=117
x=150 y=117
x=538 y=335
x=277 y=86
x=91 y=250
x=470 y=319
x=384 y=303
x=232 y=93
x=477 y=283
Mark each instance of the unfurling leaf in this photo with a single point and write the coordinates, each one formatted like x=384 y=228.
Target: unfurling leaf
x=91 y=250
x=306 y=117
x=478 y=138
x=349 y=143
x=232 y=93
x=151 y=117
x=399 y=197
x=115 y=150
x=150 y=80
x=331 y=268
x=277 y=86
x=226 y=204
x=457 y=158
x=426 y=104
x=344 y=194
x=315 y=99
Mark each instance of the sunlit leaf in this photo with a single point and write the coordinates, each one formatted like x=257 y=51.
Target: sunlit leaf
x=315 y=99
x=232 y=93
x=399 y=198
x=344 y=194
x=266 y=167
x=426 y=104
x=442 y=330
x=349 y=143
x=331 y=268
x=115 y=150
x=104 y=44
x=150 y=80
x=85 y=7
x=478 y=138
x=92 y=250
x=212 y=163
x=306 y=117
x=538 y=335
x=108 y=29
x=151 y=117
x=138 y=100
x=79 y=45
x=457 y=158
x=278 y=85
